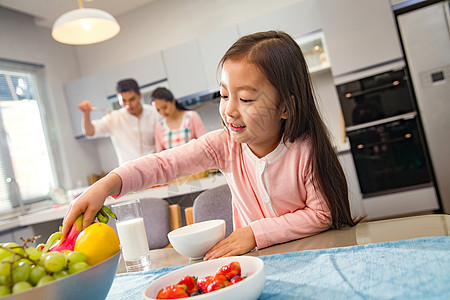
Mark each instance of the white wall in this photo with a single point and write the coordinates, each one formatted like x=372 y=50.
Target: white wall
x=21 y=40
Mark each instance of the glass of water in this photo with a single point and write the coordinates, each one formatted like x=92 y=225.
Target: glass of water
x=132 y=235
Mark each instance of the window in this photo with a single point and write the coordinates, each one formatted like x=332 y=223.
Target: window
x=26 y=168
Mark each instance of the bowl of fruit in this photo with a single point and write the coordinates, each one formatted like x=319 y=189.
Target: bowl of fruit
x=196 y=239
x=81 y=265
x=234 y=277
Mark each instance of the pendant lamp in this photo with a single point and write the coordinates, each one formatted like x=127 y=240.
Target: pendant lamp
x=85 y=26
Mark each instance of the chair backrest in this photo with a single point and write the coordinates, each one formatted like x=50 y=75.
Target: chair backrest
x=214 y=204
x=157 y=221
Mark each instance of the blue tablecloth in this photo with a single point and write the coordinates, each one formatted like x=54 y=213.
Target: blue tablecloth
x=408 y=269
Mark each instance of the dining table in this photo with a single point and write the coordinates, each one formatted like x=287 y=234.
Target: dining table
x=397 y=258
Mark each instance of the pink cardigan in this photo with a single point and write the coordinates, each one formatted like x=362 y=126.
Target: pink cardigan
x=273 y=194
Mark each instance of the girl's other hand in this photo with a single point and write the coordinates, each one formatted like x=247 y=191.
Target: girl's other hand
x=238 y=242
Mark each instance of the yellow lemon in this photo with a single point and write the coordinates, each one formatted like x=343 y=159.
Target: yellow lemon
x=99 y=242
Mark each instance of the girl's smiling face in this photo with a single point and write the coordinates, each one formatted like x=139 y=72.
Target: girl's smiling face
x=250 y=107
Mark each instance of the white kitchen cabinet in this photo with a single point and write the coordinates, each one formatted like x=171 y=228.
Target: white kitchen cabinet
x=212 y=47
x=359 y=33
x=87 y=88
x=184 y=68
x=315 y=52
x=296 y=20
x=145 y=71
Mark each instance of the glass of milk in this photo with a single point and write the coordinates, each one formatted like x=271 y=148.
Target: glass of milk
x=132 y=235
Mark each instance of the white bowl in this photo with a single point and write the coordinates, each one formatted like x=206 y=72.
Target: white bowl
x=195 y=240
x=92 y=283
x=248 y=289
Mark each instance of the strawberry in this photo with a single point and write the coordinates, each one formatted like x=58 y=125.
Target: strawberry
x=218 y=282
x=230 y=270
x=191 y=284
x=204 y=282
x=236 y=279
x=173 y=292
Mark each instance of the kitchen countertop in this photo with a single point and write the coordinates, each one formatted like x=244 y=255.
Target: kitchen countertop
x=174 y=189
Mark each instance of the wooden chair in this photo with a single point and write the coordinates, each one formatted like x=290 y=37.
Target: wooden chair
x=212 y=204
x=175 y=216
x=189 y=215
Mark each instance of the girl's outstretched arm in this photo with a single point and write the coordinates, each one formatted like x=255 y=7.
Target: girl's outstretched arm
x=91 y=201
x=238 y=242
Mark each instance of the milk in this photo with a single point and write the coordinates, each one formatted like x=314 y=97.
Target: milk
x=133 y=238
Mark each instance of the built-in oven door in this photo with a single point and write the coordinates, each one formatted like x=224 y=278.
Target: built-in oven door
x=376 y=97
x=389 y=155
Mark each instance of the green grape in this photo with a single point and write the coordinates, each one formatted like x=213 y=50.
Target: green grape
x=74 y=257
x=33 y=253
x=46 y=279
x=37 y=272
x=60 y=274
x=4 y=253
x=5 y=280
x=14 y=247
x=5 y=268
x=4 y=290
x=21 y=273
x=43 y=257
x=24 y=260
x=9 y=259
x=21 y=286
x=55 y=262
x=65 y=252
x=77 y=267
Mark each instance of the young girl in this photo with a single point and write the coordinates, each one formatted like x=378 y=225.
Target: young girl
x=285 y=178
x=179 y=125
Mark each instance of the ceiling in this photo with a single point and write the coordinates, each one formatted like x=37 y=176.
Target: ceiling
x=47 y=11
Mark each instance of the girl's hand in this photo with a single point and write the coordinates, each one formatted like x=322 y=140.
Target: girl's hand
x=238 y=242
x=90 y=202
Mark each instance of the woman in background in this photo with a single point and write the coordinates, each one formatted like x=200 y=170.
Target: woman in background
x=179 y=125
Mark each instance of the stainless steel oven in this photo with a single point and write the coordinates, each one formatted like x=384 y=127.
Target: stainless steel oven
x=376 y=97
x=389 y=155
x=384 y=133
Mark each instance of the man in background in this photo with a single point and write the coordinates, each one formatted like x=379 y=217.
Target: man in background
x=130 y=128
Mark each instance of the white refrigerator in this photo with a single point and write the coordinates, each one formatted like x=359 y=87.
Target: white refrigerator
x=425 y=35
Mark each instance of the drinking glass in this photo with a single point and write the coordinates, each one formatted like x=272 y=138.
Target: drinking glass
x=132 y=235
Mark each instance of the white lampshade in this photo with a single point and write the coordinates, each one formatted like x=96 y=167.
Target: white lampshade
x=84 y=26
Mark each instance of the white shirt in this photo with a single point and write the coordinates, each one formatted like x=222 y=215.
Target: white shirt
x=132 y=136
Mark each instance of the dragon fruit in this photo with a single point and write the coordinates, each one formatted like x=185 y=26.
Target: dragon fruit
x=68 y=242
